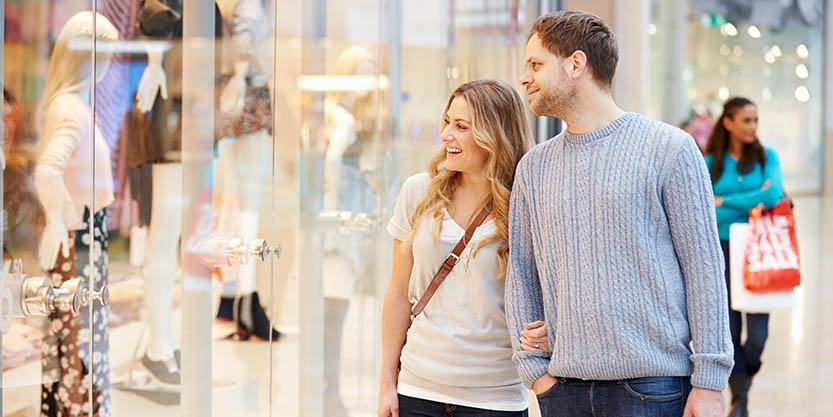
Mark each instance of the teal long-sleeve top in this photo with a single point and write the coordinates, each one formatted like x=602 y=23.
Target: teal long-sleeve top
x=742 y=192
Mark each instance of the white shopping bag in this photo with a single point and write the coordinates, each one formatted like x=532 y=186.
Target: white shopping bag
x=743 y=299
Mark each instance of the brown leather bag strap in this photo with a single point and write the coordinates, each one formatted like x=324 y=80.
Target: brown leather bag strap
x=449 y=263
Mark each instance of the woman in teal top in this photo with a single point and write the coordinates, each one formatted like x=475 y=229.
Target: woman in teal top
x=744 y=173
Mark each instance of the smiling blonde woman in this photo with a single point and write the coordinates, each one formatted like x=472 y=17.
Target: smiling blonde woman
x=458 y=358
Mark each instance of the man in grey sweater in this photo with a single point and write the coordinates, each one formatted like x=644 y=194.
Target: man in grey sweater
x=613 y=244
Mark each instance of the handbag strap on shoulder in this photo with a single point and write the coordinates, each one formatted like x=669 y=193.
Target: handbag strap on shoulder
x=449 y=262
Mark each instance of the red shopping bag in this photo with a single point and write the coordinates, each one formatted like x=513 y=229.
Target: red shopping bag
x=771 y=258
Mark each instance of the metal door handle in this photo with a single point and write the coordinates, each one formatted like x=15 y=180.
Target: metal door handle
x=74 y=294
x=240 y=252
x=217 y=252
x=36 y=296
x=69 y=296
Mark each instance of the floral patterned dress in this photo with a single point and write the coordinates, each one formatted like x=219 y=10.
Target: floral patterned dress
x=66 y=368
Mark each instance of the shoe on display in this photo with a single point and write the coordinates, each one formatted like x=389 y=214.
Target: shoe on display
x=166 y=370
x=255 y=323
x=226 y=310
x=260 y=321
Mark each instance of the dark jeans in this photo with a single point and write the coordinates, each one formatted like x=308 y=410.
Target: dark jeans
x=638 y=397
x=747 y=355
x=417 y=407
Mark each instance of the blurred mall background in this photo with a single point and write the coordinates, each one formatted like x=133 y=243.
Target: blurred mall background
x=343 y=102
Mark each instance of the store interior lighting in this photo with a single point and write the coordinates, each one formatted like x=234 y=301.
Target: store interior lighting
x=729 y=29
x=802 y=94
x=754 y=32
x=801 y=71
x=802 y=51
x=776 y=51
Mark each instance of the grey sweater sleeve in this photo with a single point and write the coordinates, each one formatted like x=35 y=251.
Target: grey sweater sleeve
x=689 y=204
x=523 y=295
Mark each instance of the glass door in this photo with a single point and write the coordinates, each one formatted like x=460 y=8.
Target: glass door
x=192 y=241
x=139 y=196
x=46 y=287
x=344 y=89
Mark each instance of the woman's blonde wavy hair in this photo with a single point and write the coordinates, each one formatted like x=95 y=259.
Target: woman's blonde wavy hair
x=499 y=125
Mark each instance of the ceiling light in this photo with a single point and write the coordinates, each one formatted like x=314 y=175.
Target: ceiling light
x=802 y=51
x=801 y=71
x=802 y=94
x=729 y=29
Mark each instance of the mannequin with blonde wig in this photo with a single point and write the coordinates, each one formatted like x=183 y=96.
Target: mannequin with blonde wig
x=67 y=84
x=69 y=65
x=67 y=144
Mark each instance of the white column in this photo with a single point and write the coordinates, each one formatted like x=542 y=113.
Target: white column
x=630 y=19
x=311 y=311
x=671 y=42
x=197 y=151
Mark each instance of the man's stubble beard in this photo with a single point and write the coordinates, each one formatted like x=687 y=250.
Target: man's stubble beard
x=558 y=104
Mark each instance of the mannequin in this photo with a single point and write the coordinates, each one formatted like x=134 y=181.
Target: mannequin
x=63 y=187
x=246 y=158
x=156 y=143
x=345 y=189
x=246 y=118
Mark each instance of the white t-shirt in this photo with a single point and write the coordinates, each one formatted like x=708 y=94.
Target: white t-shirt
x=458 y=349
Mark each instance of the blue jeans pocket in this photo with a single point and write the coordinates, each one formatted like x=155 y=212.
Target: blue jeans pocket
x=655 y=389
x=549 y=391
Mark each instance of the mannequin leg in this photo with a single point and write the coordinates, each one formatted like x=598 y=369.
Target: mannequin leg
x=65 y=377
x=101 y=314
x=335 y=310
x=225 y=198
x=160 y=259
x=251 y=168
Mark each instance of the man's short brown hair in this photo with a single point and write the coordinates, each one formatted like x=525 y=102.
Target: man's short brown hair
x=567 y=31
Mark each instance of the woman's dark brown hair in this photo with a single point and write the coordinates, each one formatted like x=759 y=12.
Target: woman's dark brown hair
x=718 y=143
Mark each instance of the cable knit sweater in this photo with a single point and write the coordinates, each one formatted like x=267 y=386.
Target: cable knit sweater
x=613 y=242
